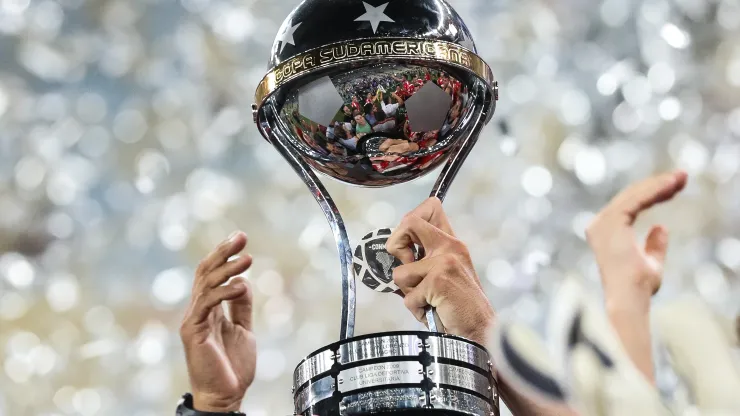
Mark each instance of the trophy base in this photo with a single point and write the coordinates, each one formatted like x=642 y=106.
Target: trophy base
x=407 y=373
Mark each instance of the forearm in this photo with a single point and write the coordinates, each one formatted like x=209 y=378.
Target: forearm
x=519 y=405
x=630 y=317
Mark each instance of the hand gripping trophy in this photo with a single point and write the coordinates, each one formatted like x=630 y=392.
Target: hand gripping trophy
x=377 y=95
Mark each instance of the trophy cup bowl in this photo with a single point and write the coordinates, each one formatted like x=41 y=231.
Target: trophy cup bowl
x=378 y=95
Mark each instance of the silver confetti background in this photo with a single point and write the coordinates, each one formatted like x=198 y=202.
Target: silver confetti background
x=127 y=151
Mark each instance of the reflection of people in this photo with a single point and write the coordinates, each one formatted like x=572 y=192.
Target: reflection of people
x=345 y=137
x=336 y=150
x=453 y=118
x=356 y=103
x=398 y=146
x=375 y=115
x=347 y=110
x=390 y=108
x=362 y=127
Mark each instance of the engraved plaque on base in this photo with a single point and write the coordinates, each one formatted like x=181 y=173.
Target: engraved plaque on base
x=400 y=372
x=393 y=399
x=461 y=377
x=371 y=348
x=383 y=374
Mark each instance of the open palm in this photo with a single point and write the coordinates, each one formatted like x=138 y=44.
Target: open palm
x=614 y=241
x=221 y=352
x=632 y=272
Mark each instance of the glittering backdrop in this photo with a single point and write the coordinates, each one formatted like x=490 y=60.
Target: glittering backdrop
x=127 y=152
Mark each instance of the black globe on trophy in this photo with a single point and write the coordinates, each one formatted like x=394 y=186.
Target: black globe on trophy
x=377 y=93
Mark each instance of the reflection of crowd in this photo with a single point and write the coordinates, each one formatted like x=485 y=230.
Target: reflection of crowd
x=384 y=111
x=375 y=123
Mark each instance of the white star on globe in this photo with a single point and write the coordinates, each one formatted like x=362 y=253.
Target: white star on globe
x=287 y=36
x=374 y=15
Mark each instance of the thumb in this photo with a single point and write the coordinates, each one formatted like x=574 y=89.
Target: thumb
x=656 y=244
x=240 y=309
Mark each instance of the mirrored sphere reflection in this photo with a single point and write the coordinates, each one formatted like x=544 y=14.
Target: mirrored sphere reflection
x=379 y=125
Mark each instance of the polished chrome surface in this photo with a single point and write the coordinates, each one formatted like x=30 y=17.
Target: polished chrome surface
x=382 y=374
x=313 y=393
x=383 y=400
x=464 y=146
x=355 y=366
x=457 y=350
x=433 y=322
x=316 y=23
x=380 y=347
x=312 y=367
x=347 y=326
x=379 y=125
x=329 y=58
x=338 y=103
x=453 y=400
x=462 y=377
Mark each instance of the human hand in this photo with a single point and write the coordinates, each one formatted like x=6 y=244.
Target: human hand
x=632 y=272
x=628 y=267
x=444 y=278
x=580 y=364
x=221 y=353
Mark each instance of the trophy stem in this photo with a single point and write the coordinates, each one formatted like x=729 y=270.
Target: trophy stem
x=448 y=175
x=461 y=153
x=336 y=222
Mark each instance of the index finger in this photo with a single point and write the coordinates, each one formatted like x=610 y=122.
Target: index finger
x=232 y=246
x=643 y=195
x=414 y=230
x=432 y=211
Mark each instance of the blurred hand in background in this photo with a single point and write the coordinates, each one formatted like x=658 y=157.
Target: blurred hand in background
x=632 y=272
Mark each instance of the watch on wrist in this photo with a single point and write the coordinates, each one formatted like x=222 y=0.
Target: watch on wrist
x=185 y=408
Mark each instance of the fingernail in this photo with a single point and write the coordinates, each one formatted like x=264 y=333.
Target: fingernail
x=233 y=236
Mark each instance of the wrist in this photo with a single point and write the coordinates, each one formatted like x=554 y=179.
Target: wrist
x=482 y=331
x=631 y=302
x=207 y=403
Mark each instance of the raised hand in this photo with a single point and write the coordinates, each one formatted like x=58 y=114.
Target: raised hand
x=221 y=353
x=444 y=278
x=580 y=364
x=632 y=271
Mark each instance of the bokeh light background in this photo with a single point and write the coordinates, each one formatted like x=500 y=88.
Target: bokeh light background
x=127 y=151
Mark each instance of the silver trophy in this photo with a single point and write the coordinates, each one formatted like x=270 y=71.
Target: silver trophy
x=376 y=95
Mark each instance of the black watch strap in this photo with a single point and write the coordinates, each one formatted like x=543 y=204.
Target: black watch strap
x=185 y=408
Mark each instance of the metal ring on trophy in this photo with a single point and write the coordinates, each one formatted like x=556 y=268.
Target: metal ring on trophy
x=388 y=345
x=404 y=362
x=372 y=51
x=455 y=349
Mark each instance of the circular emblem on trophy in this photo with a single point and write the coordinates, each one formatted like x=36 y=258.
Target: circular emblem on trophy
x=373 y=264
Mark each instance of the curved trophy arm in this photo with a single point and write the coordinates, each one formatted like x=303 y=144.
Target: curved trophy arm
x=449 y=173
x=332 y=216
x=464 y=147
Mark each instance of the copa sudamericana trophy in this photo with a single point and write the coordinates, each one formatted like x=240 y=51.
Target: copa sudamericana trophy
x=376 y=95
